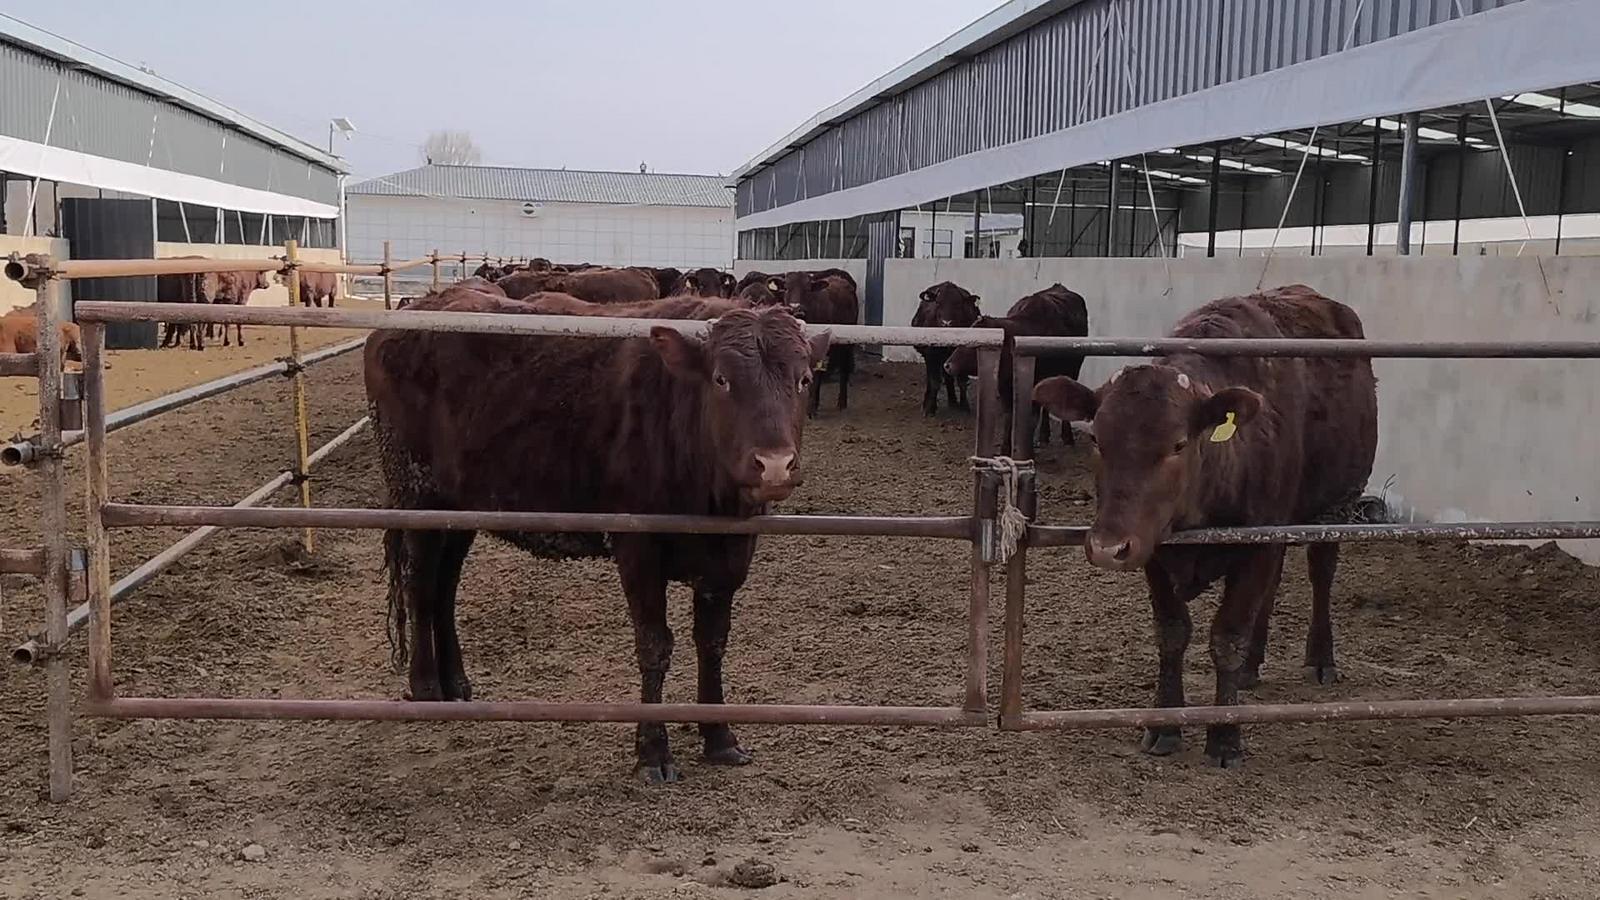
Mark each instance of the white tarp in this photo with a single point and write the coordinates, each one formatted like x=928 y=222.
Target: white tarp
x=36 y=160
x=1530 y=46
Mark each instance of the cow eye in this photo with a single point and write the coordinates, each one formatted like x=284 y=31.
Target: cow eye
x=720 y=380
x=1180 y=446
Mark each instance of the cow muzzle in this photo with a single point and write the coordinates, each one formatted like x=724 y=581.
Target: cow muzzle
x=772 y=475
x=1117 y=553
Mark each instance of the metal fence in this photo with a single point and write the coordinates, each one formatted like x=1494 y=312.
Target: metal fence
x=980 y=529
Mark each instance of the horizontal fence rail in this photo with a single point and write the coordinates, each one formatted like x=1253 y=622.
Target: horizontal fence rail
x=1310 y=348
x=20 y=364
x=130 y=515
x=530 y=711
x=28 y=268
x=1073 y=535
x=1339 y=711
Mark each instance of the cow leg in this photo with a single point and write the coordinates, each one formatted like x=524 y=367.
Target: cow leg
x=816 y=393
x=423 y=550
x=646 y=587
x=1243 y=595
x=452 y=671
x=713 y=613
x=847 y=365
x=1322 y=560
x=1251 y=676
x=1043 y=438
x=931 y=372
x=238 y=331
x=1172 y=629
x=961 y=392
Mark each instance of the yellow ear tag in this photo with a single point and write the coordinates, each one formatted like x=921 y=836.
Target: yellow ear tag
x=821 y=366
x=1224 y=432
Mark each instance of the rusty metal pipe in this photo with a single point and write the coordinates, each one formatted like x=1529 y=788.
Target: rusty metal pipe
x=1339 y=711
x=526 y=711
x=1310 y=347
x=126 y=515
x=1072 y=535
x=25 y=365
x=22 y=562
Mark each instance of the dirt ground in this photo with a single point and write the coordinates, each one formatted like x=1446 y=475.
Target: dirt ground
x=1486 y=808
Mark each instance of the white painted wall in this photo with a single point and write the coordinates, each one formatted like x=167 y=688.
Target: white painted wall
x=856 y=267
x=605 y=234
x=1462 y=440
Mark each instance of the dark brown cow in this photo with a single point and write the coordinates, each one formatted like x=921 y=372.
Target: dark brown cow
x=704 y=282
x=521 y=284
x=554 y=304
x=480 y=284
x=665 y=277
x=774 y=283
x=182 y=289
x=1052 y=312
x=607 y=285
x=1196 y=442
x=827 y=298
x=757 y=294
x=487 y=271
x=944 y=305
x=233 y=289
x=314 y=286
x=666 y=424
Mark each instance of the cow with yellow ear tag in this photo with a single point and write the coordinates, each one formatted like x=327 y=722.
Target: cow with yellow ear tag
x=1194 y=441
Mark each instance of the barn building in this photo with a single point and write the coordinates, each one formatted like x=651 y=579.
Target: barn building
x=99 y=159
x=1434 y=163
x=607 y=218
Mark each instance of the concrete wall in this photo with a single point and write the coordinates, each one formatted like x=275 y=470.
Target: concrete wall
x=1459 y=440
x=856 y=267
x=606 y=234
x=13 y=295
x=277 y=294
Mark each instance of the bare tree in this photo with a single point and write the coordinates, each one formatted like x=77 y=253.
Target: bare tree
x=450 y=148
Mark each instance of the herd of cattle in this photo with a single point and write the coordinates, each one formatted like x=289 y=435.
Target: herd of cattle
x=233 y=289
x=713 y=426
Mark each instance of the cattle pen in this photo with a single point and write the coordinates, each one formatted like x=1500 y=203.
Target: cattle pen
x=1003 y=490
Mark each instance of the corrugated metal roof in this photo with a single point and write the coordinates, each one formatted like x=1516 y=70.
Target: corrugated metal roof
x=551 y=185
x=16 y=31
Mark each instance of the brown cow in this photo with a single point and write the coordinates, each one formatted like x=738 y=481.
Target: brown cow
x=314 y=286
x=757 y=294
x=20 y=334
x=827 y=298
x=1052 y=312
x=704 y=282
x=487 y=271
x=607 y=285
x=665 y=277
x=944 y=305
x=669 y=424
x=1194 y=442
x=188 y=288
x=774 y=283
x=553 y=304
x=522 y=284
x=480 y=284
x=233 y=289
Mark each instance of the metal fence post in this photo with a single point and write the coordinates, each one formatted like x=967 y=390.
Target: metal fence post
x=53 y=521
x=96 y=496
x=1022 y=431
x=291 y=255
x=986 y=443
x=388 y=280
x=433 y=259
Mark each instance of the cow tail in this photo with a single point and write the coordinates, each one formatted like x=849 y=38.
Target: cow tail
x=394 y=559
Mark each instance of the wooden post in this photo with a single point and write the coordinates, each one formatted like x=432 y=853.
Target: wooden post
x=987 y=443
x=291 y=255
x=433 y=260
x=98 y=493
x=53 y=521
x=1022 y=431
x=388 y=280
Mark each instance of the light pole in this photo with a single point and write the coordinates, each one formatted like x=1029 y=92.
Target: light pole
x=345 y=127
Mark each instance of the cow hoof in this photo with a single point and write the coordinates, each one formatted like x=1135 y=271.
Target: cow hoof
x=658 y=773
x=1226 y=757
x=460 y=690
x=423 y=694
x=1161 y=741
x=1224 y=748
x=728 y=756
x=1324 y=675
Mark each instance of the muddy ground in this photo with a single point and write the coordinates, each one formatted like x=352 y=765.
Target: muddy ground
x=1488 y=808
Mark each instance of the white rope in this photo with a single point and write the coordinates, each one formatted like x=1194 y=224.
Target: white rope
x=1083 y=107
x=1311 y=143
x=1011 y=524
x=33 y=189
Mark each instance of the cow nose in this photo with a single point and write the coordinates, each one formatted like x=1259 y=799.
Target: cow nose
x=1109 y=553
x=774 y=466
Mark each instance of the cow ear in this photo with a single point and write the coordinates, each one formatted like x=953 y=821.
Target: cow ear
x=927 y=295
x=729 y=282
x=1229 y=406
x=819 y=346
x=1066 y=398
x=973 y=298
x=682 y=354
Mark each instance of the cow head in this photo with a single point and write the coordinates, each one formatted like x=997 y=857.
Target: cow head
x=753 y=371
x=963 y=362
x=710 y=283
x=71 y=342
x=1152 y=425
x=947 y=305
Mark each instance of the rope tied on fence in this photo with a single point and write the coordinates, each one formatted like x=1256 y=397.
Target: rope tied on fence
x=1011 y=522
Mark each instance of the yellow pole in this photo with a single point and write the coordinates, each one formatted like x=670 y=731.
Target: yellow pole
x=388 y=282
x=291 y=255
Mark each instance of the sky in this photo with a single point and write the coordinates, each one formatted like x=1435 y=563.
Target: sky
x=682 y=86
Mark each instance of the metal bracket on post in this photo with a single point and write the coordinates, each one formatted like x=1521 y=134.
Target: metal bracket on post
x=72 y=401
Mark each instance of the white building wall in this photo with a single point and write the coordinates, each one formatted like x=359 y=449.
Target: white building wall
x=605 y=234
